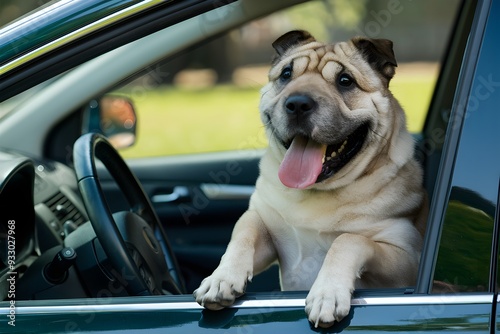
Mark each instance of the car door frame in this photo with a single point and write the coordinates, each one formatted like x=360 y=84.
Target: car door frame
x=378 y=310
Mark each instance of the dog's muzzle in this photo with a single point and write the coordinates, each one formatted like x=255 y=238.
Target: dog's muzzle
x=307 y=160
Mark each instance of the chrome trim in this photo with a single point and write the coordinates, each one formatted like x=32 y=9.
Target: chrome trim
x=227 y=191
x=89 y=29
x=265 y=303
x=449 y=299
x=178 y=193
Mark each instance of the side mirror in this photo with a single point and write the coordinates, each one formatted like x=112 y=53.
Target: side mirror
x=114 y=117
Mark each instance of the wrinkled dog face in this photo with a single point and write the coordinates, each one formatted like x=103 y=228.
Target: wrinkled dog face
x=327 y=108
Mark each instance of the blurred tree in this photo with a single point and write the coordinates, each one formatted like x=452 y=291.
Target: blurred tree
x=334 y=16
x=13 y=9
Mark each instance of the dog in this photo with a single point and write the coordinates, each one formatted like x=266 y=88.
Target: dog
x=339 y=201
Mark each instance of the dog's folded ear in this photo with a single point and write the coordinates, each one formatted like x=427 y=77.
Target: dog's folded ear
x=379 y=53
x=292 y=39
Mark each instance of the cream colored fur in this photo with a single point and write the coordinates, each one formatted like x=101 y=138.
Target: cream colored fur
x=360 y=228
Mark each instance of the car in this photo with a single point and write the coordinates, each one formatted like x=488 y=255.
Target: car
x=86 y=206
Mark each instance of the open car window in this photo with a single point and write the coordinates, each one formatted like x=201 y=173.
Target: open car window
x=180 y=99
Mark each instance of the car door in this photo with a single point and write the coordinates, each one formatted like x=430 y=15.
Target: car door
x=456 y=288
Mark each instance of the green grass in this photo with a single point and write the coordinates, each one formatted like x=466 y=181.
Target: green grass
x=414 y=94
x=465 y=249
x=175 y=121
x=180 y=121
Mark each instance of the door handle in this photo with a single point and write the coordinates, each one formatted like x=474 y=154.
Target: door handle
x=179 y=193
x=227 y=191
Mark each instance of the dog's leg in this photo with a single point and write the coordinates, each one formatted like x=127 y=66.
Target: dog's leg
x=348 y=258
x=249 y=252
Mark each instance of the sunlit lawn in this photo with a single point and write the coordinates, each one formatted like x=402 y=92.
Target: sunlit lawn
x=179 y=120
x=414 y=95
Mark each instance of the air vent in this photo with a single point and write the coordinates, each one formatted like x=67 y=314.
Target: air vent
x=64 y=209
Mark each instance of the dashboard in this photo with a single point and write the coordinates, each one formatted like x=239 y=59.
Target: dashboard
x=39 y=206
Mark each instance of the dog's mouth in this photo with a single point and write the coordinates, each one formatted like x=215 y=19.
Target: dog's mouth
x=307 y=162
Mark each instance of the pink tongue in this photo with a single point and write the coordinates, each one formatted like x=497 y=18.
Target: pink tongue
x=302 y=163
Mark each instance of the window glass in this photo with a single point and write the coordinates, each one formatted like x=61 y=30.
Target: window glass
x=465 y=253
x=206 y=100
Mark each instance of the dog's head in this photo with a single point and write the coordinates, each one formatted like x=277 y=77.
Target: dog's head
x=327 y=108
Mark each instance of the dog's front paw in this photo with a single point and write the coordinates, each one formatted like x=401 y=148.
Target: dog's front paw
x=220 y=289
x=326 y=304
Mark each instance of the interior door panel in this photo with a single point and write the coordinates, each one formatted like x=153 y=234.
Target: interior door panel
x=198 y=199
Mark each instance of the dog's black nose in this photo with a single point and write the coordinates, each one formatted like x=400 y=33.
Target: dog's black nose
x=299 y=104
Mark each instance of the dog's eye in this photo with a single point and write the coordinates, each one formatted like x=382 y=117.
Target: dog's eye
x=286 y=73
x=345 y=80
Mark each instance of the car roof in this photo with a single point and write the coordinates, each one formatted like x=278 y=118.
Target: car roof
x=51 y=22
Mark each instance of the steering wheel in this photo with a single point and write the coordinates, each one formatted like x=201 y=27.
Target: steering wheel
x=134 y=241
